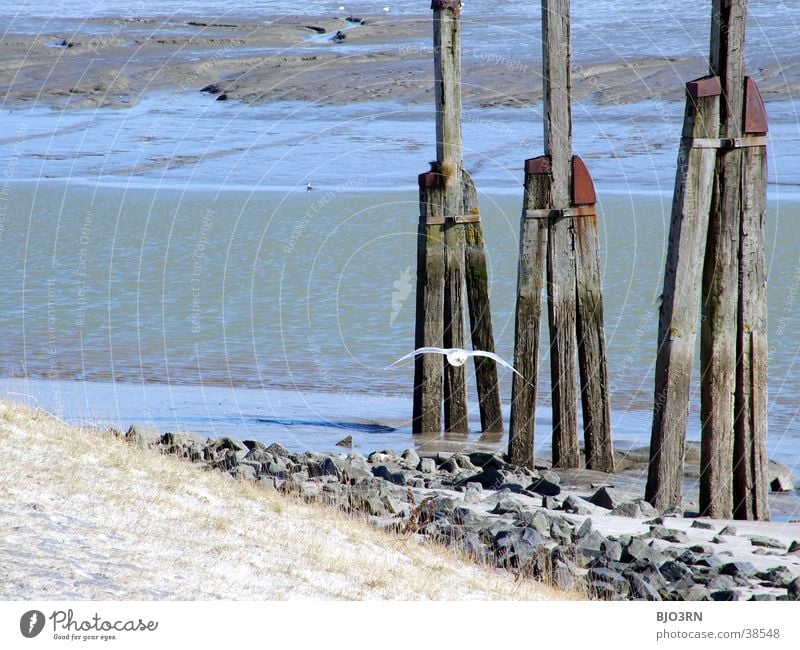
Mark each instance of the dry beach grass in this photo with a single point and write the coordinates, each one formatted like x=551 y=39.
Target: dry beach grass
x=87 y=516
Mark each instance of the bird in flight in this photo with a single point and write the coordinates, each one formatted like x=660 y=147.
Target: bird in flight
x=457 y=356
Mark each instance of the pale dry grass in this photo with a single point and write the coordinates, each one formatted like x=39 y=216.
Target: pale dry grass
x=87 y=516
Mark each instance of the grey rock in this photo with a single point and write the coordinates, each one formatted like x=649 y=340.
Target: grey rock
x=778 y=576
x=672 y=570
x=782 y=484
x=246 y=472
x=575 y=505
x=552 y=477
x=702 y=525
x=603 y=591
x=794 y=547
x=326 y=467
x=584 y=529
x=766 y=542
x=411 y=458
x=254 y=445
x=742 y=569
x=590 y=547
x=506 y=505
x=640 y=549
x=545 y=488
x=608 y=576
x=467 y=517
x=717 y=539
x=606 y=497
x=398 y=477
x=779 y=472
x=277 y=450
x=347 y=441
x=551 y=503
x=793 y=589
x=669 y=535
x=641 y=589
x=491 y=478
x=517 y=548
x=728 y=530
x=694 y=593
x=232 y=444
x=612 y=550
x=701 y=548
x=136 y=438
x=427 y=466
x=535 y=519
x=634 y=509
x=763 y=597
x=722 y=582
x=463 y=461
x=473 y=493
x=675 y=512
x=725 y=595
x=565 y=575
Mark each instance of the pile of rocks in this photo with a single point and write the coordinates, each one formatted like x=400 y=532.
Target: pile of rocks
x=519 y=520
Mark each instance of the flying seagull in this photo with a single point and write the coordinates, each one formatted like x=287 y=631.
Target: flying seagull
x=456 y=356
x=309 y=187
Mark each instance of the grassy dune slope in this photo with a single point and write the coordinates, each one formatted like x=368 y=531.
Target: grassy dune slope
x=87 y=516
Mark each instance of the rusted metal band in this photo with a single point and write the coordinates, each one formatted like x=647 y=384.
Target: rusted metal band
x=458 y=218
x=556 y=213
x=726 y=143
x=446 y=4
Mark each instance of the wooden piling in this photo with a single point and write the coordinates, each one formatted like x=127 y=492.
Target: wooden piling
x=427 y=413
x=680 y=300
x=721 y=269
x=560 y=252
x=450 y=257
x=530 y=284
x=750 y=427
x=480 y=313
x=590 y=327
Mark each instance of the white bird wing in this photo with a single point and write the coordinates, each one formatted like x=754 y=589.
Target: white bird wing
x=492 y=355
x=428 y=350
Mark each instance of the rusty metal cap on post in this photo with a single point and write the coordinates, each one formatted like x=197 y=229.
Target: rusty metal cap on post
x=582 y=184
x=540 y=165
x=438 y=5
x=704 y=87
x=755 y=114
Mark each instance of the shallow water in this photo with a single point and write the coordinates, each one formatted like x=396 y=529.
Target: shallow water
x=153 y=250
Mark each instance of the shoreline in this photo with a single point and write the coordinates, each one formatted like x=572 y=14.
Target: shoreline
x=577 y=530
x=296 y=58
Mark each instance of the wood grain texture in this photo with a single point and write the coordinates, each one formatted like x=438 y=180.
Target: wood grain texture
x=592 y=363
x=750 y=427
x=530 y=286
x=680 y=301
x=561 y=300
x=455 y=377
x=721 y=270
x=480 y=314
x=427 y=409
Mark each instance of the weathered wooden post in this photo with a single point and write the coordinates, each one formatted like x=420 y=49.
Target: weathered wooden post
x=559 y=241
x=450 y=255
x=680 y=300
x=726 y=137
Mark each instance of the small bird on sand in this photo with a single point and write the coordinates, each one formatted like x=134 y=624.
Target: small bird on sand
x=456 y=356
x=309 y=187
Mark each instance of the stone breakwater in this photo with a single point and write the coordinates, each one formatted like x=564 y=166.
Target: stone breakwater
x=607 y=543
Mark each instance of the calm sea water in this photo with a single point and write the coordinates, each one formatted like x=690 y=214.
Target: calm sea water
x=156 y=256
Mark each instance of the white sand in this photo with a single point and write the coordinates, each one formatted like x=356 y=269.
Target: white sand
x=87 y=516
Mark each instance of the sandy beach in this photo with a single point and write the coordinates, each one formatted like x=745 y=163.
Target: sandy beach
x=112 y=62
